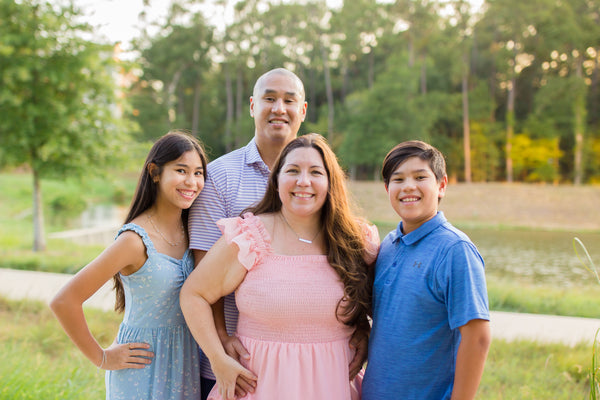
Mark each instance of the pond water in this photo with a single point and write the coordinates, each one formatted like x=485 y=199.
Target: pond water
x=533 y=256
x=537 y=256
x=101 y=215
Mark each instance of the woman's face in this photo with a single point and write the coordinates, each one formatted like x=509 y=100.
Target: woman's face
x=303 y=182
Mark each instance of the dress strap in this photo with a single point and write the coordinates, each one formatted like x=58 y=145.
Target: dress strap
x=141 y=232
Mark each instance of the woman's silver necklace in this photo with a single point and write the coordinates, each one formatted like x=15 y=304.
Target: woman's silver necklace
x=298 y=236
x=163 y=236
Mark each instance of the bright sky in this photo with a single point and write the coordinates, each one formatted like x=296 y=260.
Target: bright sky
x=117 y=20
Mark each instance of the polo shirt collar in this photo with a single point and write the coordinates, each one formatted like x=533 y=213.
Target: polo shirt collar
x=422 y=231
x=252 y=155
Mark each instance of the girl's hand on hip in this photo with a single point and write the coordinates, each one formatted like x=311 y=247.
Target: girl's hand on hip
x=127 y=355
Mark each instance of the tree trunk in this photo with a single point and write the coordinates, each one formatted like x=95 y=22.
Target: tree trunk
x=411 y=50
x=352 y=172
x=423 y=75
x=329 y=92
x=39 y=241
x=579 y=123
x=239 y=105
x=229 y=112
x=345 y=78
x=594 y=117
x=171 y=96
x=196 y=109
x=371 y=73
x=466 y=125
x=312 y=113
x=510 y=124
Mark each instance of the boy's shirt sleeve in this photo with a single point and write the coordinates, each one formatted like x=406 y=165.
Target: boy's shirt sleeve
x=461 y=277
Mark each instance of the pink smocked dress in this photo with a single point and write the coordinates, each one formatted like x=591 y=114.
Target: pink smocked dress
x=299 y=350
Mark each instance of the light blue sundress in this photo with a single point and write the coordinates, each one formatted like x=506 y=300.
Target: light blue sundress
x=153 y=315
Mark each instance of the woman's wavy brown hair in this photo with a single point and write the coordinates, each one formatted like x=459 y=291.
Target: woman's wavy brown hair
x=342 y=229
x=167 y=148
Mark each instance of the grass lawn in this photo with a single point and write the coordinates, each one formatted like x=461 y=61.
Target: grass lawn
x=40 y=362
x=38 y=359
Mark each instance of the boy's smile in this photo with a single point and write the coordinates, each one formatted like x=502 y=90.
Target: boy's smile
x=414 y=193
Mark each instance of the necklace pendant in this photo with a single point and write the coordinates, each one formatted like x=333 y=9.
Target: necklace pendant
x=305 y=240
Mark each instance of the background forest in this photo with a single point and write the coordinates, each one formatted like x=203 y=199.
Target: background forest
x=509 y=91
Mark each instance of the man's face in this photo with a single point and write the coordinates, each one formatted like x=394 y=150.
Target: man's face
x=278 y=109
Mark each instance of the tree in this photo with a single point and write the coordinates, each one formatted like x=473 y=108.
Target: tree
x=515 y=25
x=58 y=97
x=174 y=63
x=570 y=30
x=464 y=25
x=387 y=114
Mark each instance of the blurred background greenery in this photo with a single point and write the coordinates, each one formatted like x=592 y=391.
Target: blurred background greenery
x=508 y=91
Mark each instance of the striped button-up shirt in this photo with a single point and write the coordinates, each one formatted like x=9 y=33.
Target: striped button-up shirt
x=233 y=183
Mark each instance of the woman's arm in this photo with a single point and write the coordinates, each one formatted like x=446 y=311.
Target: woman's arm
x=470 y=360
x=127 y=252
x=218 y=274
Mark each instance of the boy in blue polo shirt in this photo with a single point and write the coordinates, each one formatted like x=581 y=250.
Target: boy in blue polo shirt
x=431 y=333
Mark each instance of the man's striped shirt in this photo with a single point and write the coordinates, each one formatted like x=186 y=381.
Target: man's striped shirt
x=234 y=182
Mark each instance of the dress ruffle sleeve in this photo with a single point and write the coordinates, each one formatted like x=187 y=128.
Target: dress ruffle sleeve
x=372 y=242
x=249 y=234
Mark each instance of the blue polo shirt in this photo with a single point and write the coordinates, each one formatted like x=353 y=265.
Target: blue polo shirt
x=428 y=283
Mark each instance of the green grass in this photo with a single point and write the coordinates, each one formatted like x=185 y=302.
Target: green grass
x=63 y=202
x=40 y=362
x=526 y=370
x=509 y=295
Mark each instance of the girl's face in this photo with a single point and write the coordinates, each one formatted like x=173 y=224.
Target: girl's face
x=303 y=182
x=181 y=180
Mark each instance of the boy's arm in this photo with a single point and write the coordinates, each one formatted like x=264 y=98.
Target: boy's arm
x=470 y=360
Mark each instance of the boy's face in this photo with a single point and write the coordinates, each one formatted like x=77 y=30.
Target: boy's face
x=414 y=193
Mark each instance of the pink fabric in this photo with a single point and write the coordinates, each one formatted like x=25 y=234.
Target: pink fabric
x=299 y=350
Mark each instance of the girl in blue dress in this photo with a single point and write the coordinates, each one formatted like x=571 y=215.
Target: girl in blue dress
x=154 y=355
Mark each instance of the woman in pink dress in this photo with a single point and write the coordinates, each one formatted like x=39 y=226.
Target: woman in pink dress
x=299 y=263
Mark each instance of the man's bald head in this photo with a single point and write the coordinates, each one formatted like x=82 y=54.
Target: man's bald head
x=258 y=86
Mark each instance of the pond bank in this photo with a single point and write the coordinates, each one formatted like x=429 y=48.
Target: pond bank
x=502 y=205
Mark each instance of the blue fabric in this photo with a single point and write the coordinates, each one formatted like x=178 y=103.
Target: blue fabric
x=234 y=182
x=153 y=315
x=428 y=283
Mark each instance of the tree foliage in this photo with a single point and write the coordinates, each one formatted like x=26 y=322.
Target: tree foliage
x=60 y=112
x=484 y=85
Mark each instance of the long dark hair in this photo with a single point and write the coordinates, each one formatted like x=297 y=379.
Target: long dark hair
x=344 y=236
x=166 y=149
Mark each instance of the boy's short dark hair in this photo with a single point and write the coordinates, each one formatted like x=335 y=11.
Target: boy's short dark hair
x=413 y=148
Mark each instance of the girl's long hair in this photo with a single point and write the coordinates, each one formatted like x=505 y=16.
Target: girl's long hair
x=344 y=238
x=167 y=148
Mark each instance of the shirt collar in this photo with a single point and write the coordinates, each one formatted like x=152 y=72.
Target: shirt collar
x=253 y=156
x=422 y=231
